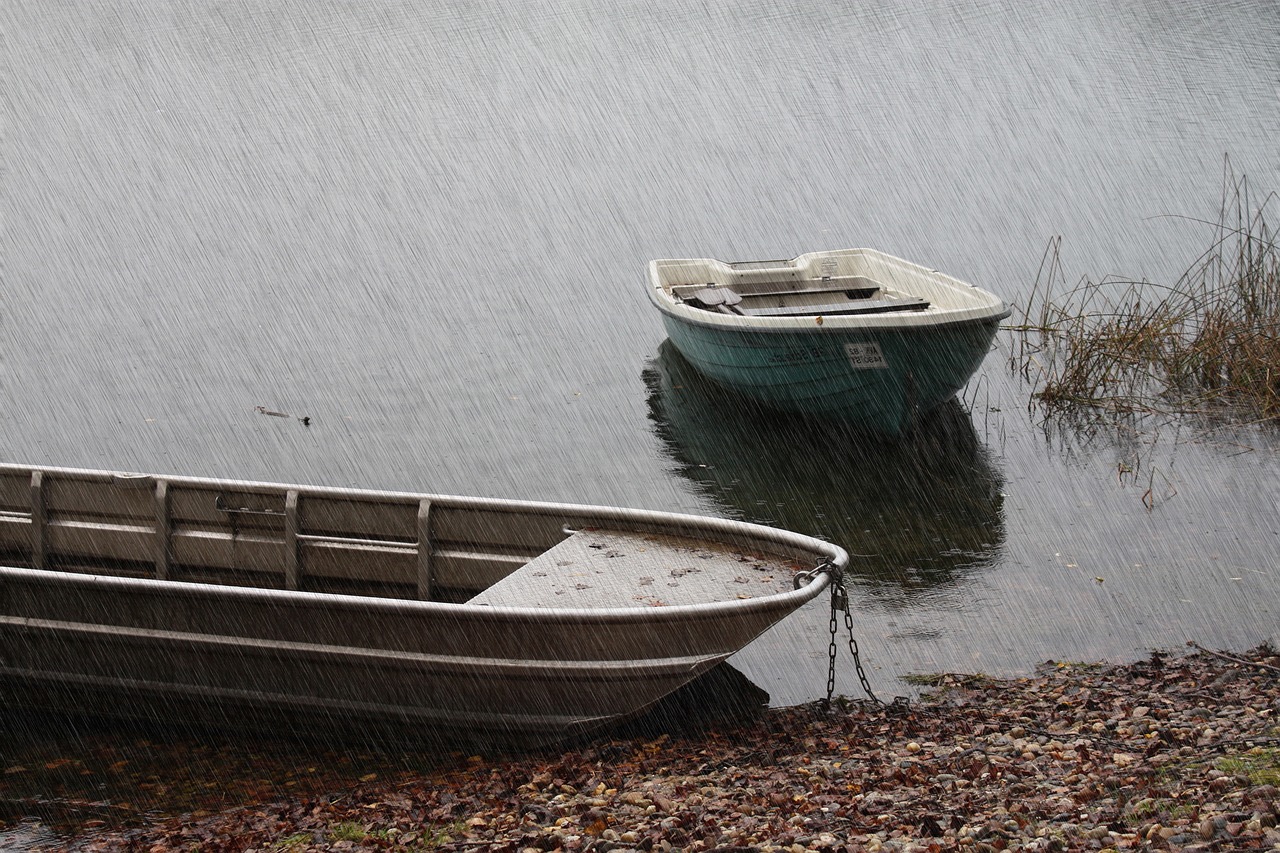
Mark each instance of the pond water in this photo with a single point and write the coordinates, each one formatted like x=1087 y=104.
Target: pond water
x=425 y=228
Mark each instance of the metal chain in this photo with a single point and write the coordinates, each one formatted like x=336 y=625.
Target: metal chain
x=840 y=601
x=857 y=659
x=831 y=649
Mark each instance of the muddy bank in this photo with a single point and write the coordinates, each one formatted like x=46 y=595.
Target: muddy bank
x=1175 y=752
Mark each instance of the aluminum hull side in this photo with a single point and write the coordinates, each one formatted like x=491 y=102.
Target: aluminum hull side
x=515 y=672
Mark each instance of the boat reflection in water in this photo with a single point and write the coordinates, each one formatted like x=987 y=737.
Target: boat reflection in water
x=917 y=515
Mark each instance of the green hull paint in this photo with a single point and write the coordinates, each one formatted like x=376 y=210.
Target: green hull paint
x=878 y=379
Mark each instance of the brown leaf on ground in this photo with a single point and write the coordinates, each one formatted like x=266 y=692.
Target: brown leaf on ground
x=1143 y=756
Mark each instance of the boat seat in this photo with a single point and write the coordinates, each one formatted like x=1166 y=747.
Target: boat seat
x=849 y=292
x=870 y=306
x=597 y=568
x=711 y=294
x=712 y=298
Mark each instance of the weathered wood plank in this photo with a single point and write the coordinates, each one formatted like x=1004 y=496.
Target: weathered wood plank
x=852 y=306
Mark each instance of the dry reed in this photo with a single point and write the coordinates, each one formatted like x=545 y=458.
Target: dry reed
x=1210 y=344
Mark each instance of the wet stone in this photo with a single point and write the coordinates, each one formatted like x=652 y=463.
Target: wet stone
x=856 y=776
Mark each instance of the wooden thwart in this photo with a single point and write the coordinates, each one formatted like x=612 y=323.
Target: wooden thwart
x=610 y=568
x=870 y=306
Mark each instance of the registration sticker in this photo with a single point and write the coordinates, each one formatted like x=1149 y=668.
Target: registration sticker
x=796 y=355
x=865 y=356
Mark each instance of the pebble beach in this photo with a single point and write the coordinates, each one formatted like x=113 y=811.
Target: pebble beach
x=1179 y=751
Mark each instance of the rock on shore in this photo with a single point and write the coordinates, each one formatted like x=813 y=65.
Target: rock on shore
x=1170 y=753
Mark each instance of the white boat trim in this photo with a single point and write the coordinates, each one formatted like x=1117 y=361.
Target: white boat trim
x=952 y=301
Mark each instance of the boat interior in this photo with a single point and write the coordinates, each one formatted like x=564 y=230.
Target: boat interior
x=266 y=536
x=795 y=288
x=388 y=545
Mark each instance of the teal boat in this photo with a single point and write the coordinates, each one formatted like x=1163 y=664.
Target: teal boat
x=853 y=334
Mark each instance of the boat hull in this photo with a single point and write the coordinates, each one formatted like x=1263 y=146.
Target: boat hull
x=509 y=675
x=153 y=596
x=880 y=379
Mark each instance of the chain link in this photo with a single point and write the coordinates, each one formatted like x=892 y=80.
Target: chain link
x=831 y=649
x=857 y=659
x=840 y=601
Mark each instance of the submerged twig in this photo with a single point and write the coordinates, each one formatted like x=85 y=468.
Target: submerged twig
x=1234 y=659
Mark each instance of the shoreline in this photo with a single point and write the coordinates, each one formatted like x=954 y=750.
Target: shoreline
x=1175 y=752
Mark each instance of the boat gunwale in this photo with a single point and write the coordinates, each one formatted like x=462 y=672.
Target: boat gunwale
x=832 y=324
x=672 y=523
x=987 y=308
x=483 y=613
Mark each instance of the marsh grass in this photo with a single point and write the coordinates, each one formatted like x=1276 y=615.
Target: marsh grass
x=1209 y=344
x=1260 y=765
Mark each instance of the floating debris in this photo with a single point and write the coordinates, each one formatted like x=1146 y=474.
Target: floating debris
x=305 y=420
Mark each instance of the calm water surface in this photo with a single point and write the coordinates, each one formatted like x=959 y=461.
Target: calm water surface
x=425 y=227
